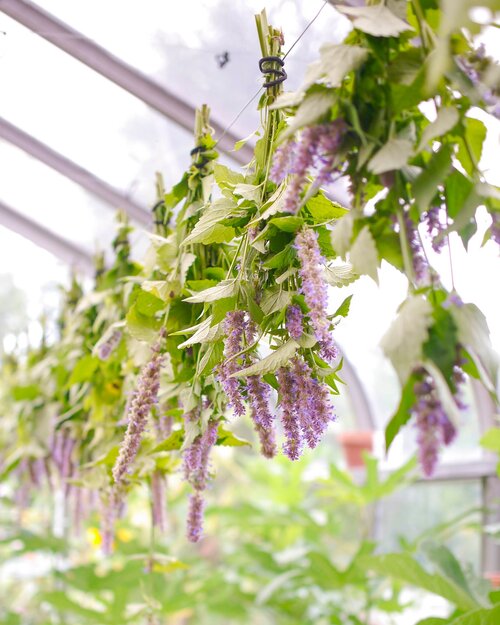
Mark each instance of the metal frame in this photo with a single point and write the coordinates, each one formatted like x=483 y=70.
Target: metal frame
x=74 y=172
x=54 y=244
x=122 y=74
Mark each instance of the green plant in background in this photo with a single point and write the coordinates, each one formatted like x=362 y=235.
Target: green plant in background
x=283 y=548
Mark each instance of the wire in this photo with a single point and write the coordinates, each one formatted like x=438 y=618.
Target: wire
x=306 y=29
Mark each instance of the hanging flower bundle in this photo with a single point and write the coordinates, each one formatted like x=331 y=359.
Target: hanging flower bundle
x=234 y=310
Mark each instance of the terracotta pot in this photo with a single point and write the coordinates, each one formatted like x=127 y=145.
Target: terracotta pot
x=494 y=578
x=354 y=444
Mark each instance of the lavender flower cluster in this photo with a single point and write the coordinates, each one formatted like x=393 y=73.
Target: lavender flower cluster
x=436 y=225
x=108 y=347
x=313 y=153
x=315 y=291
x=196 y=468
x=475 y=67
x=420 y=266
x=306 y=409
x=433 y=425
x=143 y=399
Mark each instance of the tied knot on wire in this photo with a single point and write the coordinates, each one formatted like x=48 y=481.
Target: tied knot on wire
x=273 y=66
x=201 y=159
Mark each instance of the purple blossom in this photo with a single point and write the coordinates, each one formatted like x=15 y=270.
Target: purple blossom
x=234 y=329
x=495 y=226
x=107 y=347
x=315 y=290
x=435 y=227
x=143 y=399
x=294 y=319
x=433 y=425
x=195 y=517
x=289 y=417
x=314 y=153
x=196 y=456
x=158 y=503
x=258 y=394
x=420 y=266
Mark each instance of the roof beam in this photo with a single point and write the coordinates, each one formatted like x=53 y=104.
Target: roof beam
x=74 y=172
x=54 y=244
x=122 y=74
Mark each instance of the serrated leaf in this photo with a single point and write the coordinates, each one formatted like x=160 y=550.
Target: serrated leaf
x=274 y=300
x=342 y=234
x=224 y=175
x=393 y=155
x=375 y=20
x=271 y=363
x=340 y=275
x=209 y=228
x=172 y=443
x=226 y=288
x=364 y=254
x=343 y=309
x=426 y=184
x=148 y=304
x=141 y=327
x=250 y=192
x=313 y=108
x=291 y=223
x=475 y=134
x=403 y=342
x=274 y=204
x=229 y=439
x=447 y=118
x=474 y=334
x=323 y=209
x=205 y=333
x=337 y=60
x=287 y=100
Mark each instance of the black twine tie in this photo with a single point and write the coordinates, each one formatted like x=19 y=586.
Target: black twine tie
x=279 y=72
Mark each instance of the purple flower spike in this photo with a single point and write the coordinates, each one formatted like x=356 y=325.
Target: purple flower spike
x=144 y=397
x=234 y=328
x=294 y=319
x=258 y=394
x=315 y=290
x=107 y=348
x=420 y=266
x=195 y=517
x=158 y=503
x=436 y=225
x=289 y=418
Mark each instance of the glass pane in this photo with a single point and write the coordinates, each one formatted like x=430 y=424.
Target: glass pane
x=178 y=44
x=87 y=118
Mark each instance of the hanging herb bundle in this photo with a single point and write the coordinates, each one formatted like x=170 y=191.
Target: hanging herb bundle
x=235 y=309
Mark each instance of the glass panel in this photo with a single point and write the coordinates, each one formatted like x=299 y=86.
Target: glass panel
x=87 y=118
x=178 y=44
x=432 y=504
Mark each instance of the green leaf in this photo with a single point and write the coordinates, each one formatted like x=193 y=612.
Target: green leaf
x=403 y=342
x=281 y=259
x=26 y=392
x=275 y=299
x=457 y=189
x=375 y=20
x=343 y=309
x=337 y=60
x=205 y=333
x=172 y=443
x=83 y=370
x=314 y=106
x=447 y=118
x=148 y=304
x=342 y=234
x=446 y=563
x=403 y=413
x=271 y=363
x=340 y=275
x=322 y=209
x=393 y=155
x=403 y=567
x=226 y=288
x=473 y=139
x=474 y=334
x=364 y=255
x=209 y=228
x=225 y=176
x=178 y=192
x=287 y=224
x=479 y=617
x=436 y=170
x=491 y=440
x=141 y=327
x=229 y=439
x=250 y=192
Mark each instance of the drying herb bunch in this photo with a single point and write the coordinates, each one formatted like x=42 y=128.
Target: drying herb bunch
x=235 y=308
